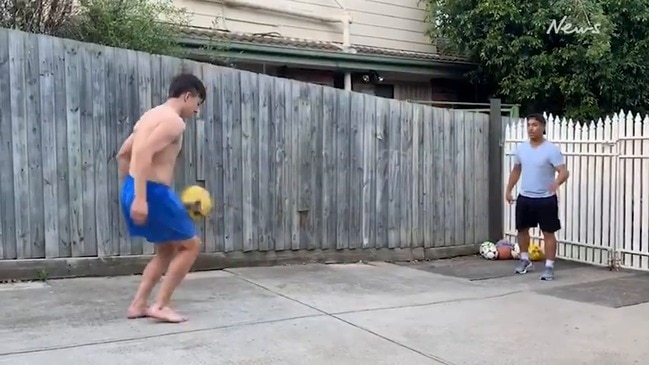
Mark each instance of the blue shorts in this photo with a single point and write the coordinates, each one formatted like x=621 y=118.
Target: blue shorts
x=168 y=219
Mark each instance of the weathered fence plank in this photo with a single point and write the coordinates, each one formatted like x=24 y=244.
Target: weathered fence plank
x=329 y=158
x=460 y=173
x=33 y=123
x=417 y=176
x=233 y=185
x=115 y=222
x=368 y=187
x=7 y=204
x=394 y=174
x=405 y=176
x=429 y=220
x=470 y=178
x=281 y=232
x=343 y=105
x=48 y=148
x=266 y=157
x=293 y=154
x=450 y=170
x=20 y=146
x=303 y=162
x=121 y=132
x=216 y=161
x=60 y=114
x=291 y=165
x=482 y=177
x=101 y=152
x=88 y=142
x=249 y=105
x=317 y=167
x=145 y=97
x=355 y=189
x=381 y=173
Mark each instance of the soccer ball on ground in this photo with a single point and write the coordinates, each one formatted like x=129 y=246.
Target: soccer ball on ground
x=488 y=250
x=516 y=251
x=198 y=201
x=536 y=252
x=504 y=249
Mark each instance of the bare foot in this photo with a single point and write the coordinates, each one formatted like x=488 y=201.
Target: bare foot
x=165 y=314
x=135 y=312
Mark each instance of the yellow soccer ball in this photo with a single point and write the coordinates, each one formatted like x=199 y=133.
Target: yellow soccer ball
x=198 y=201
x=535 y=252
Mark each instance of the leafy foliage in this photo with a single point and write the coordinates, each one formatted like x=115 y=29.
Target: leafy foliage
x=144 y=25
x=581 y=74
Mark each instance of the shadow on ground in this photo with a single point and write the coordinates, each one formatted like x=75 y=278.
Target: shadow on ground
x=614 y=292
x=476 y=268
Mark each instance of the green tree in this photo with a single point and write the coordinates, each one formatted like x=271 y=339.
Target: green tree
x=589 y=65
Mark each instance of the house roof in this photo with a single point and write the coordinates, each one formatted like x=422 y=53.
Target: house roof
x=276 y=39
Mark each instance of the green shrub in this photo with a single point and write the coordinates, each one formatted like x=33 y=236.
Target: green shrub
x=143 y=25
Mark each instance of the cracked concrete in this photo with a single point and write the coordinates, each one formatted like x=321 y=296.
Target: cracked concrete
x=373 y=313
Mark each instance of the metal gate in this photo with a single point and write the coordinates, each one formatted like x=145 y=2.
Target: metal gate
x=632 y=208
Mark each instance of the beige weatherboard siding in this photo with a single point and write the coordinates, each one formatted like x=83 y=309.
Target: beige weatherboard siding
x=397 y=24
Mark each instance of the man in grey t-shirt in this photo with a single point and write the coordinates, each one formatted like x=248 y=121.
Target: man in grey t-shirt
x=538 y=160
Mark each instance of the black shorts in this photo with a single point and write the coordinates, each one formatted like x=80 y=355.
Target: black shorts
x=543 y=212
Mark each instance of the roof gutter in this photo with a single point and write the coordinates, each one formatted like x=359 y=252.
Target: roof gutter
x=244 y=51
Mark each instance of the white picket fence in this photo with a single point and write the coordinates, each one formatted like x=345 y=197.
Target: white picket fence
x=604 y=205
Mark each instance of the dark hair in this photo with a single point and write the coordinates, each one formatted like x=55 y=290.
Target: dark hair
x=538 y=117
x=186 y=82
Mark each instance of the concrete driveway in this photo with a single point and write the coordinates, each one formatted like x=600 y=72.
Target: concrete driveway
x=375 y=313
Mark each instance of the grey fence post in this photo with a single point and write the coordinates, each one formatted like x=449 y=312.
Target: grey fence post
x=496 y=183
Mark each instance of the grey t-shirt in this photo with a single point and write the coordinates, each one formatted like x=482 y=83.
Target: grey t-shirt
x=537 y=168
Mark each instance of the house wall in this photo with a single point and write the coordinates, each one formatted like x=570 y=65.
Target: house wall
x=402 y=89
x=448 y=90
x=412 y=91
x=397 y=24
x=320 y=77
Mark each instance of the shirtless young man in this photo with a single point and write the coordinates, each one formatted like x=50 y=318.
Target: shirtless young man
x=150 y=207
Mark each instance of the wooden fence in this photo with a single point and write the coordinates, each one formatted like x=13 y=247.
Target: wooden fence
x=292 y=166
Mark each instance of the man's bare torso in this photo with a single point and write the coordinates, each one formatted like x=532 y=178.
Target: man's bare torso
x=164 y=161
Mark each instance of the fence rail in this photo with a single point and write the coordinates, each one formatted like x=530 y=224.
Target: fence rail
x=291 y=165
